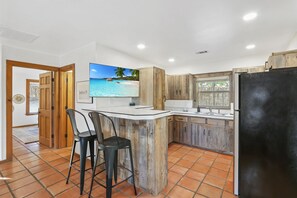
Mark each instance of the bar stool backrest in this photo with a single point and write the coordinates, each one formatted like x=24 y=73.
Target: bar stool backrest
x=97 y=119
x=72 y=113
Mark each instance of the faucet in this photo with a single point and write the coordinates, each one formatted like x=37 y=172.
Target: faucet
x=210 y=110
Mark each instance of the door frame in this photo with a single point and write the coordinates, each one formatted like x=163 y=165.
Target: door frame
x=62 y=123
x=9 y=74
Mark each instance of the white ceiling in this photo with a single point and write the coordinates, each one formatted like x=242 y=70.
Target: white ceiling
x=169 y=28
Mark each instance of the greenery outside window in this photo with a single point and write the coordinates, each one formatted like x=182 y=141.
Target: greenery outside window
x=213 y=92
x=32 y=96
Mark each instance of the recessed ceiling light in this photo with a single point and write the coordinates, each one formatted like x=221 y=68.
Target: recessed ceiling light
x=251 y=46
x=141 y=46
x=171 y=60
x=250 y=16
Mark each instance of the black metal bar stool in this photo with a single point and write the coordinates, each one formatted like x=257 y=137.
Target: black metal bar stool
x=110 y=147
x=83 y=137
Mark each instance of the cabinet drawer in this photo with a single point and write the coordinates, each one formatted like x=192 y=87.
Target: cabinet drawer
x=181 y=118
x=216 y=122
x=170 y=118
x=198 y=120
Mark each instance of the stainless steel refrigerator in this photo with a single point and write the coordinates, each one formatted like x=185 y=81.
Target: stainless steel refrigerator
x=266 y=134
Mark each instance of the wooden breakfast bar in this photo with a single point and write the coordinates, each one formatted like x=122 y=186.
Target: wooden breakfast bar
x=147 y=130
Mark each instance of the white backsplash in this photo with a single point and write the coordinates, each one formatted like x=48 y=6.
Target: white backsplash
x=187 y=105
x=112 y=102
x=178 y=105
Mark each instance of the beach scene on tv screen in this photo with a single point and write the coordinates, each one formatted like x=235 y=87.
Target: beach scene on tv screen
x=112 y=81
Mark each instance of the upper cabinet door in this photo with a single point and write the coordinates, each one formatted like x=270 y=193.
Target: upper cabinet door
x=179 y=87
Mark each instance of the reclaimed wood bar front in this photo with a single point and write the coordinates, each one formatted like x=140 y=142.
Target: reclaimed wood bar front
x=147 y=130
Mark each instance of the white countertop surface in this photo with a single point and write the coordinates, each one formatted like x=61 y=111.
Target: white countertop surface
x=203 y=115
x=147 y=113
x=132 y=112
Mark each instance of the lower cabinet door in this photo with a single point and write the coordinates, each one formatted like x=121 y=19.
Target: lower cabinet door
x=186 y=133
x=203 y=133
x=176 y=132
x=170 y=131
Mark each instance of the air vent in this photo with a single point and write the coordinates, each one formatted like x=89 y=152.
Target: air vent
x=12 y=34
x=202 y=52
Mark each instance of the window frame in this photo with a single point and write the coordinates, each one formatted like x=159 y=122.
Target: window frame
x=28 y=82
x=213 y=77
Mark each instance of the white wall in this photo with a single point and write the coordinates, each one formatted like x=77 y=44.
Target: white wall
x=94 y=53
x=113 y=57
x=293 y=43
x=224 y=65
x=12 y=53
x=20 y=75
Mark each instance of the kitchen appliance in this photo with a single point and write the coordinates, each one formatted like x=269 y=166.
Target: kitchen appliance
x=266 y=134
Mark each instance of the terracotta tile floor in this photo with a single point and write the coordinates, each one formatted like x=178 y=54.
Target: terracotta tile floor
x=37 y=171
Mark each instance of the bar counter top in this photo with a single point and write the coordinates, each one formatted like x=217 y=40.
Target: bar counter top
x=132 y=112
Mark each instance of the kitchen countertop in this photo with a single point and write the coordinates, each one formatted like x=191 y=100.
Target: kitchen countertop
x=203 y=115
x=147 y=113
x=132 y=112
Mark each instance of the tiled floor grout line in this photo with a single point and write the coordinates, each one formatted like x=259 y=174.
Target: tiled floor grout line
x=56 y=171
x=203 y=177
x=196 y=192
x=185 y=174
x=226 y=179
x=6 y=183
x=77 y=185
x=40 y=171
x=33 y=177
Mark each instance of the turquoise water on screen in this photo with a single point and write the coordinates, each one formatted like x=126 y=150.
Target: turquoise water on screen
x=114 y=88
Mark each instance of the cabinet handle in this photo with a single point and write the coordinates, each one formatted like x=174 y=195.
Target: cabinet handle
x=179 y=92
x=176 y=92
x=203 y=131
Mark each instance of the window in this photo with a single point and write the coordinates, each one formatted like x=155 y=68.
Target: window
x=213 y=92
x=32 y=96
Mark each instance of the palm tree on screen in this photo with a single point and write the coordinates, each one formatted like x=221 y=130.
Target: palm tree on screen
x=135 y=73
x=120 y=72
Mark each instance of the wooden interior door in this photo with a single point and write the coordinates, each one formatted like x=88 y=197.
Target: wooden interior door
x=45 y=109
x=69 y=99
x=67 y=102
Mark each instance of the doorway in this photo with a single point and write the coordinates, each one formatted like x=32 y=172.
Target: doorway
x=49 y=107
x=26 y=102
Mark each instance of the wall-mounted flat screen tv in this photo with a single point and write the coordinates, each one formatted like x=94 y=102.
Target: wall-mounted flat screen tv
x=113 y=81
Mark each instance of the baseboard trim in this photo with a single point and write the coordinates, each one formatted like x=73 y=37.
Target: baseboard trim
x=28 y=125
x=4 y=161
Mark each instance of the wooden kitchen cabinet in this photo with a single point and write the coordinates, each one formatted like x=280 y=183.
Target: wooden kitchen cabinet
x=179 y=87
x=282 y=60
x=212 y=134
x=152 y=87
x=182 y=132
x=170 y=123
x=208 y=133
x=199 y=135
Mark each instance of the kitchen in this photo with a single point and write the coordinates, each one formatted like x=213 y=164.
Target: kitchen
x=212 y=127
x=215 y=112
